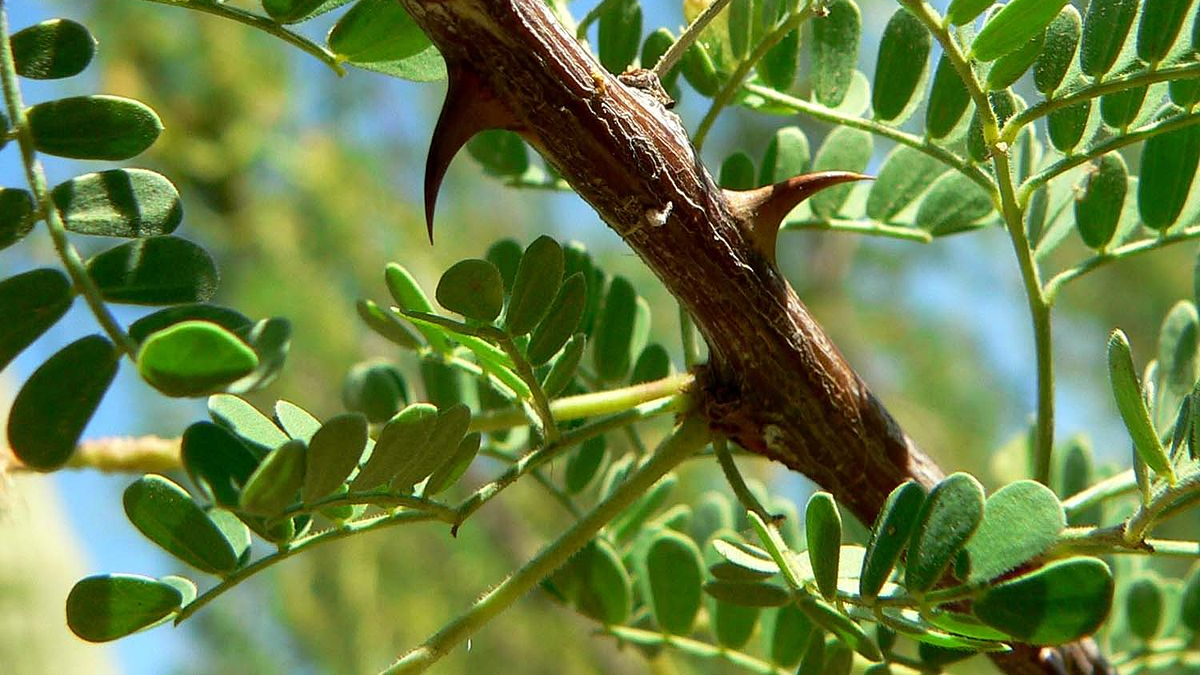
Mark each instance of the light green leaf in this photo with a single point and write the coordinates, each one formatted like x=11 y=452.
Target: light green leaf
x=787 y=155
x=535 y=285
x=1132 y=406
x=119 y=203
x=194 y=358
x=947 y=520
x=948 y=100
x=275 y=483
x=333 y=453
x=791 y=632
x=1062 y=39
x=890 y=535
x=834 y=51
x=823 y=528
x=905 y=174
x=674 y=573
x=1059 y=603
x=1144 y=605
x=166 y=514
x=1168 y=166
x=953 y=204
x=1098 y=206
x=1020 y=521
x=1013 y=26
x=845 y=149
x=239 y=416
x=619 y=34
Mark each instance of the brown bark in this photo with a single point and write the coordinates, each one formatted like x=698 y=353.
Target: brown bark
x=775 y=383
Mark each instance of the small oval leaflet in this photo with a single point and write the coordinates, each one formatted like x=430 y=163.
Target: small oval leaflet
x=674 y=574
x=375 y=389
x=560 y=322
x=613 y=338
x=1119 y=109
x=375 y=31
x=1065 y=126
x=1020 y=521
x=155 y=271
x=954 y=204
x=107 y=607
x=1105 y=27
x=454 y=467
x=93 y=127
x=786 y=155
x=57 y=401
x=964 y=11
x=791 y=632
x=890 y=535
x=119 y=203
x=748 y=593
x=1144 y=605
x=1189 y=604
x=1098 y=206
x=1159 y=26
x=901 y=67
x=472 y=288
x=778 y=66
x=905 y=174
x=506 y=256
x=1013 y=26
x=1169 y=163
x=605 y=591
x=844 y=149
x=295 y=421
x=408 y=295
x=699 y=70
x=30 y=303
x=333 y=453
x=1132 y=406
x=538 y=278
x=947 y=520
x=52 y=49
x=847 y=631
x=292 y=11
x=385 y=323
x=737 y=172
x=229 y=319
x=194 y=358
x=166 y=514
x=444 y=437
x=274 y=484
x=16 y=212
x=1007 y=69
x=500 y=152
x=1062 y=39
x=835 y=51
x=619 y=34
x=948 y=100
x=217 y=462
x=407 y=432
x=239 y=416
x=823 y=530
x=732 y=624
x=1061 y=602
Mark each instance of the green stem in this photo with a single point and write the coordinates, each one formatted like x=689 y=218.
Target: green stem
x=694 y=648
x=736 y=80
x=820 y=112
x=262 y=23
x=380 y=498
x=300 y=545
x=1164 y=500
x=687 y=38
x=46 y=209
x=865 y=227
x=538 y=398
x=1121 y=253
x=691 y=435
x=736 y=482
x=1110 y=488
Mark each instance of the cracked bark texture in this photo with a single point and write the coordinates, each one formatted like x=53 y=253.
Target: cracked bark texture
x=775 y=383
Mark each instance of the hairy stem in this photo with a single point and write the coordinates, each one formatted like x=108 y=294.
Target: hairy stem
x=1058 y=281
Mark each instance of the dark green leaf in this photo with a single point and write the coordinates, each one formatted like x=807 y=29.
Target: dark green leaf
x=1013 y=26
x=901 y=66
x=562 y=370
x=619 y=34
x=737 y=172
x=605 y=592
x=614 y=332
x=193 y=358
x=377 y=390
x=168 y=516
x=823 y=528
x=1058 y=603
x=217 y=461
x=631 y=521
x=1120 y=109
x=657 y=44
x=293 y=11
x=948 y=100
x=155 y=271
x=953 y=204
x=890 y=535
x=107 y=607
x=1132 y=406
x=1184 y=93
x=407 y=433
x=443 y=383
x=1098 y=205
x=812 y=661
x=1168 y=166
x=1105 y=28
x=472 y=288
x=653 y=364
x=699 y=70
x=1066 y=126
x=560 y=320
x=1007 y=69
x=845 y=149
x=739 y=19
x=57 y=401
x=834 y=51
x=583 y=464
x=748 y=593
x=30 y=303
x=385 y=323
x=674 y=574
x=791 y=631
x=732 y=624
x=1189 y=604
x=778 y=66
x=502 y=153
x=119 y=203
x=52 y=49
x=1062 y=39
x=16 y=213
x=1004 y=105
x=537 y=281
x=454 y=467
x=787 y=155
x=1159 y=26
x=229 y=319
x=333 y=453
x=275 y=483
x=506 y=256
x=905 y=174
x=947 y=520
x=833 y=621
x=1020 y=521
x=964 y=11
x=444 y=438
x=377 y=31
x=1144 y=607
x=93 y=127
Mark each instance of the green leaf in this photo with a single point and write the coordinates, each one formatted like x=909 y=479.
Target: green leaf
x=619 y=34
x=674 y=574
x=948 y=100
x=777 y=69
x=965 y=11
x=166 y=514
x=377 y=390
x=1007 y=69
x=901 y=68
x=947 y=520
x=506 y=256
x=119 y=203
x=787 y=155
x=52 y=49
x=1120 y=109
x=1105 y=28
x=93 y=127
x=333 y=453
x=57 y=401
x=812 y=661
x=732 y=625
x=1020 y=521
x=193 y=358
x=1177 y=361
x=1144 y=605
x=270 y=339
x=425 y=66
x=502 y=153
x=229 y=319
x=1013 y=26
x=217 y=461
x=405 y=434
x=1004 y=106
x=155 y=271
x=1184 y=93
x=106 y=607
x=737 y=172
x=294 y=11
x=1066 y=125
x=444 y=437
x=613 y=339
x=658 y=43
x=746 y=556
x=1062 y=39
x=653 y=364
x=297 y=422
x=243 y=419
x=377 y=30
x=584 y=463
x=631 y=521
x=905 y=174
x=845 y=149
x=30 y=303
x=748 y=593
x=1132 y=406
x=537 y=281
x=605 y=590
x=386 y=324
x=1059 y=603
x=1168 y=166
x=562 y=370
x=823 y=528
x=890 y=535
x=1159 y=26
x=472 y=288
x=791 y=632
x=275 y=483
x=560 y=321
x=699 y=70
x=454 y=467
x=834 y=51
x=1189 y=604
x=408 y=295
x=955 y=203
x=833 y=621
x=16 y=212
x=1098 y=205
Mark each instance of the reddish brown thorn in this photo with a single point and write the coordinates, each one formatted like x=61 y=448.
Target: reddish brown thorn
x=470 y=108
x=763 y=209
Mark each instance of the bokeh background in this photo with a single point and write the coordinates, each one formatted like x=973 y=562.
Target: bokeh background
x=304 y=185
